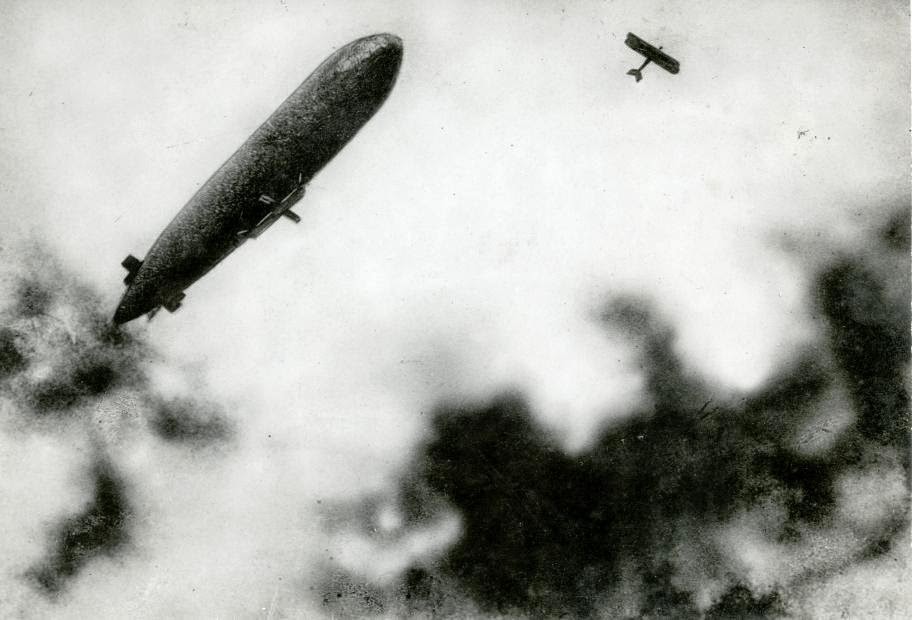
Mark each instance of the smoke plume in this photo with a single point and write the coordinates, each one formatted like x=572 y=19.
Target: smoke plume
x=70 y=378
x=701 y=502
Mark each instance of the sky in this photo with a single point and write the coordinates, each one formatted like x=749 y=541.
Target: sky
x=463 y=244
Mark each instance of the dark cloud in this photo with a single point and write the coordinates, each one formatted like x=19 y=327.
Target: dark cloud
x=426 y=593
x=100 y=529
x=11 y=359
x=58 y=326
x=61 y=360
x=740 y=602
x=546 y=534
x=190 y=422
x=895 y=234
x=32 y=299
x=345 y=597
x=870 y=341
x=90 y=376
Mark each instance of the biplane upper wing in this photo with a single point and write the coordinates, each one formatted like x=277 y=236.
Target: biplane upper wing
x=652 y=53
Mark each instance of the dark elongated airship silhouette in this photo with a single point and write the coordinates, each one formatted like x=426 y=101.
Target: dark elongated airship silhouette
x=266 y=176
x=652 y=54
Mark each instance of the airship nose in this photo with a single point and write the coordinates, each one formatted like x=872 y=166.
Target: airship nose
x=364 y=72
x=387 y=42
x=384 y=51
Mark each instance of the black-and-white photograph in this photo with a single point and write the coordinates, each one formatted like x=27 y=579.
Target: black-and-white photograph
x=456 y=309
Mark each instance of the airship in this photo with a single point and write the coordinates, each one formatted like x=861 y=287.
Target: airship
x=261 y=182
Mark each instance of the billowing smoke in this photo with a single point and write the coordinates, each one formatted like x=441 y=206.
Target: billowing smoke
x=72 y=383
x=100 y=528
x=784 y=500
x=701 y=501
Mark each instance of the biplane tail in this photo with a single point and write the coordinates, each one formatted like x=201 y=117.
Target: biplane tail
x=636 y=73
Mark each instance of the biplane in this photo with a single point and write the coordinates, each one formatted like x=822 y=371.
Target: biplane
x=652 y=54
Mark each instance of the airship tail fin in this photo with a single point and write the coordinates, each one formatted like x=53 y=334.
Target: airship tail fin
x=636 y=73
x=132 y=265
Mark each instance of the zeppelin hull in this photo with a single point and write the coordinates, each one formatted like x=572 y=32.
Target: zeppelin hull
x=271 y=168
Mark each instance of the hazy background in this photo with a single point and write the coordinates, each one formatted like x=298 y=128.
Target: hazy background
x=463 y=243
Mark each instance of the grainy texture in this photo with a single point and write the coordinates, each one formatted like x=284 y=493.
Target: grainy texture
x=522 y=238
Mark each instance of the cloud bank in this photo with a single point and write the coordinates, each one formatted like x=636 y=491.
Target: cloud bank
x=702 y=502
x=74 y=391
